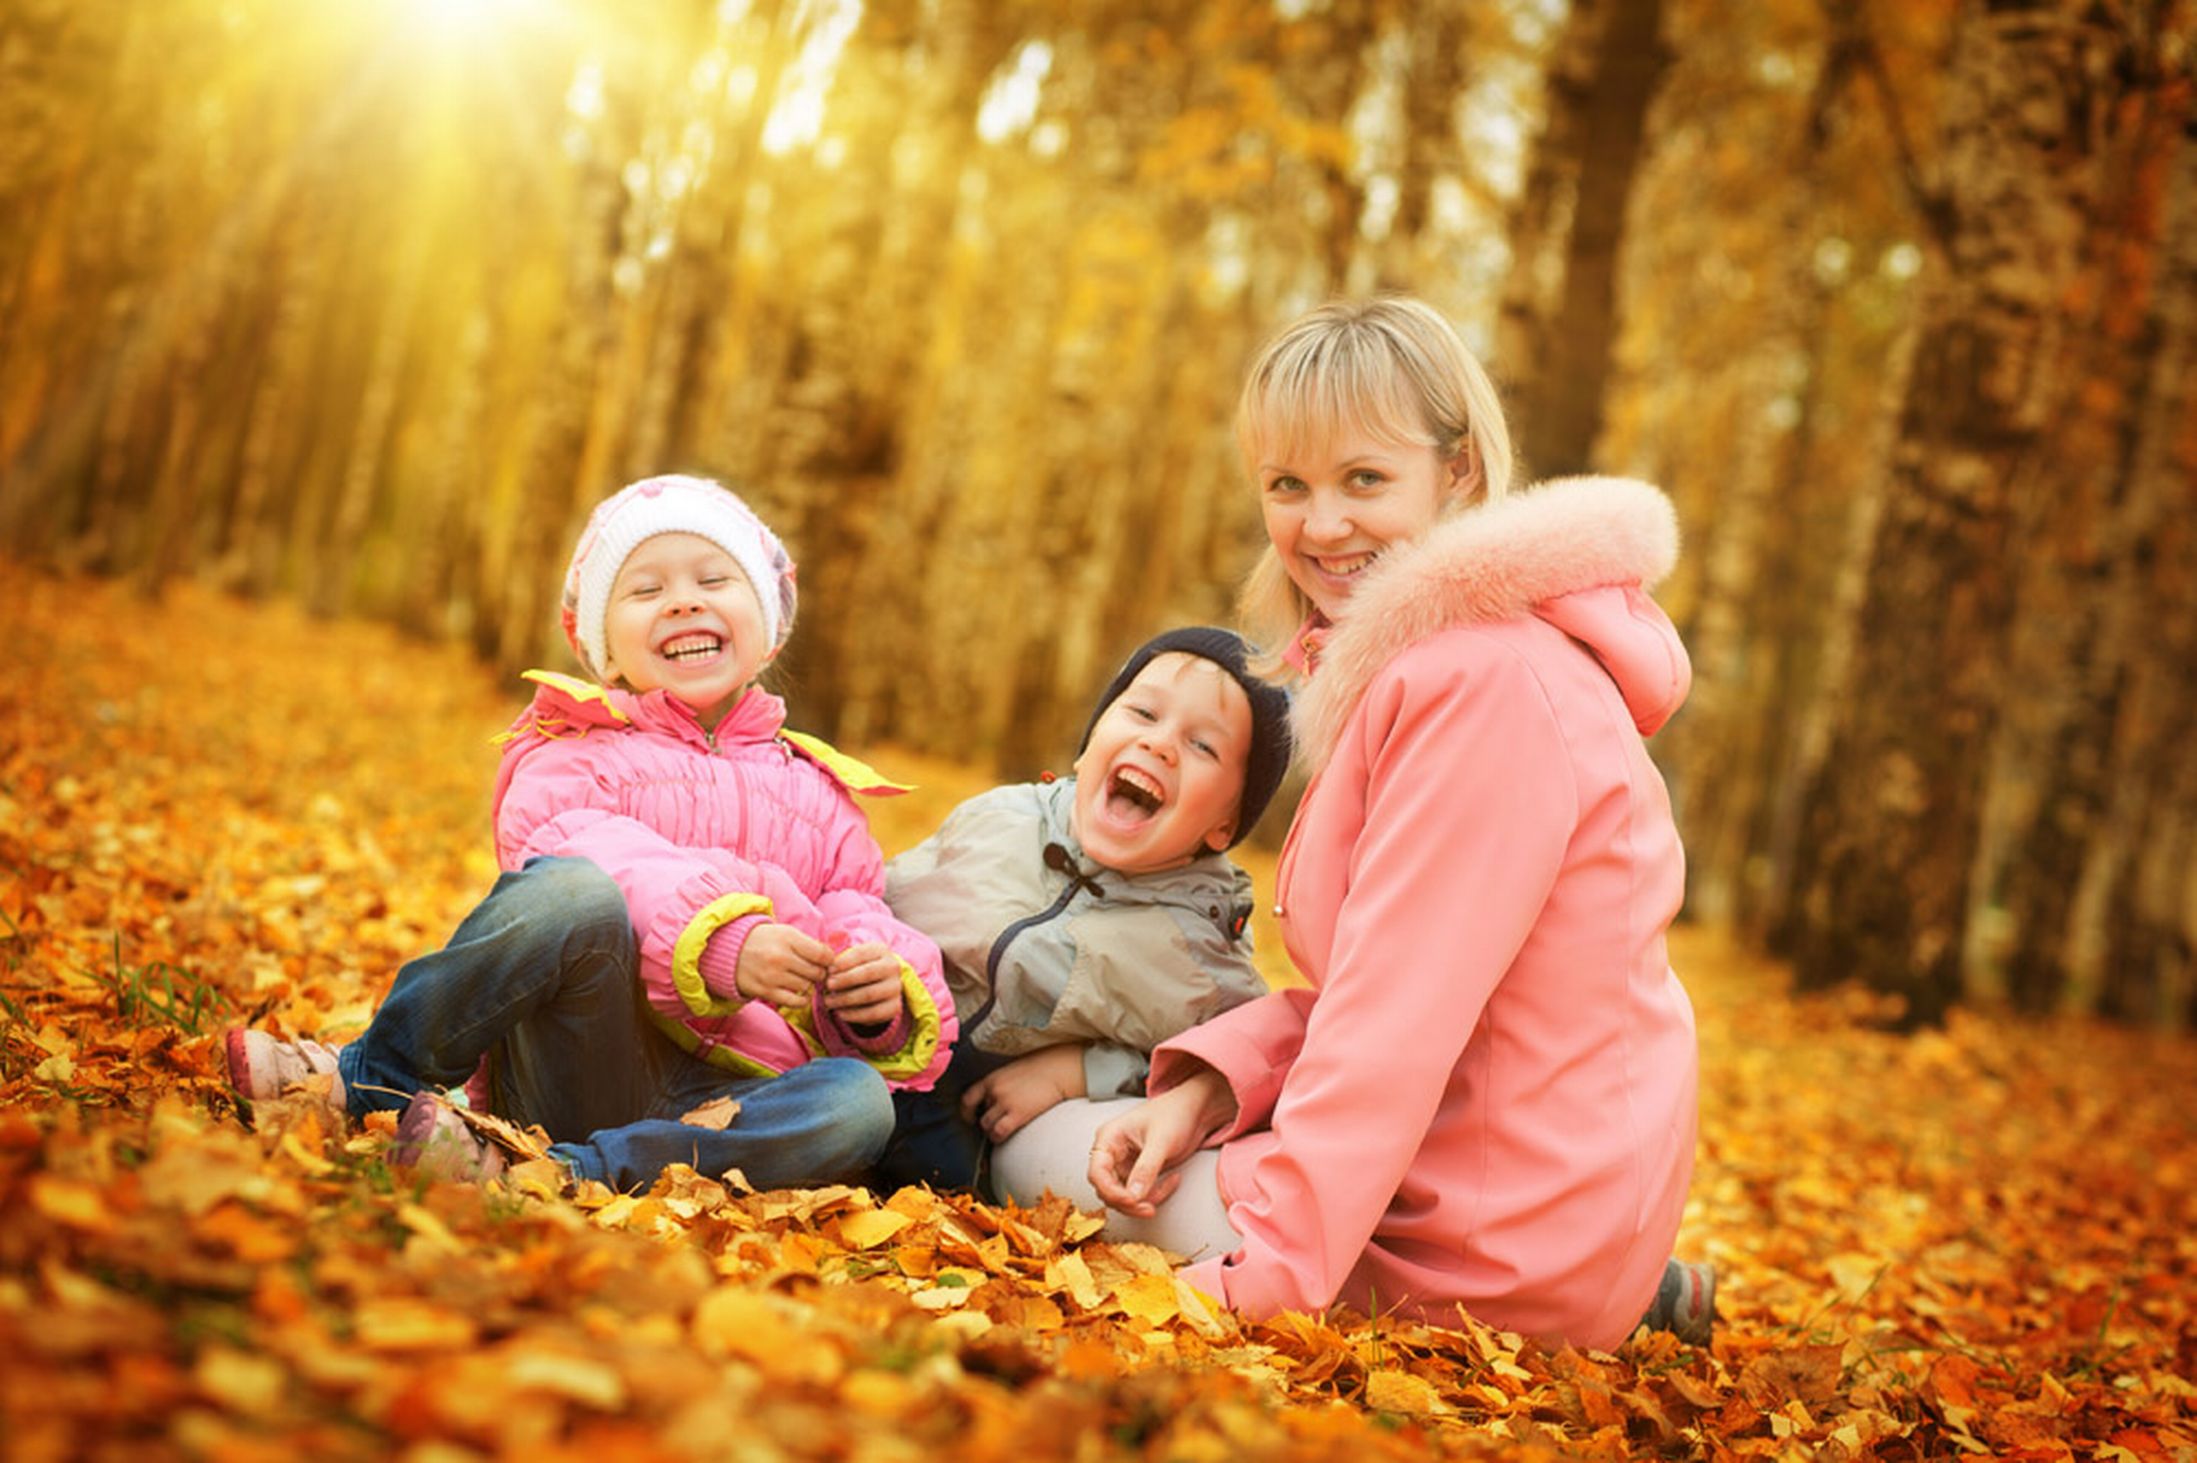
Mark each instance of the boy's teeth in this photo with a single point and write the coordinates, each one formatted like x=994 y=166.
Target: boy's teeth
x=1131 y=783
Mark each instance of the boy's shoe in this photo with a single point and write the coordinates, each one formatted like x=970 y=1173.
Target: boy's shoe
x=433 y=1139
x=262 y=1067
x=1685 y=1303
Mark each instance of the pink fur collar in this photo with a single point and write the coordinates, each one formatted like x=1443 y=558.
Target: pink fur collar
x=1491 y=563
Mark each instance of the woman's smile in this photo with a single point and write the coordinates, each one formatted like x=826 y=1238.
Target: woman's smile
x=1335 y=507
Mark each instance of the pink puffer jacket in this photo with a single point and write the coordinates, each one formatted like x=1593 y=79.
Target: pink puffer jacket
x=709 y=835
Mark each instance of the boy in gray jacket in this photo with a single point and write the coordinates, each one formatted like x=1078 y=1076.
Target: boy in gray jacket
x=1086 y=920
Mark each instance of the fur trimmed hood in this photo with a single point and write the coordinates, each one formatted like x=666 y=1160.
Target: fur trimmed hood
x=1538 y=552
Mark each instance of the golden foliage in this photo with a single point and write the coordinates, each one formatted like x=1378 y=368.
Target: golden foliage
x=1972 y=1242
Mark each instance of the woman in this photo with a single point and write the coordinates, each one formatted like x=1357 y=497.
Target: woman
x=1486 y=1099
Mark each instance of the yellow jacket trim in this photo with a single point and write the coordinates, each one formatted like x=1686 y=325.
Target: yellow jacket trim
x=686 y=955
x=581 y=692
x=922 y=1044
x=852 y=773
x=690 y=1042
x=914 y=1054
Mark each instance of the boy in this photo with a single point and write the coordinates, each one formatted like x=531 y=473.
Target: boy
x=1084 y=921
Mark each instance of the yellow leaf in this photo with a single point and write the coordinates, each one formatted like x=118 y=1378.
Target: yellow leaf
x=768 y=1331
x=250 y=1384
x=717 y=1113
x=1389 y=1390
x=400 y=1323
x=304 y=1157
x=66 y=1202
x=1150 y=1298
x=575 y=1378
x=430 y=1233
x=871 y=1228
x=1071 y=1274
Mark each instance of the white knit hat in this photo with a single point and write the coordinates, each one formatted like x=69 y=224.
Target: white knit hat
x=674 y=503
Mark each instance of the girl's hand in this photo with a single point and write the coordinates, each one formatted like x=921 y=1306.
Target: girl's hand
x=1136 y=1159
x=1002 y=1102
x=780 y=965
x=862 y=985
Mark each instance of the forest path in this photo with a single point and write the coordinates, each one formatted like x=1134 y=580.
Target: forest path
x=1976 y=1240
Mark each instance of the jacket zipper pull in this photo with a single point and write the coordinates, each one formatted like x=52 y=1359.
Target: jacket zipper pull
x=1060 y=861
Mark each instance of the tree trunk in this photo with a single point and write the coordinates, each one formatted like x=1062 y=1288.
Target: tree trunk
x=1892 y=822
x=1561 y=308
x=2073 y=636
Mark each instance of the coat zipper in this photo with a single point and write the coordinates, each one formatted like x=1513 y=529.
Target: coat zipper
x=1060 y=860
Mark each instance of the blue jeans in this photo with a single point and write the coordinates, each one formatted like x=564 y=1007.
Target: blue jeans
x=541 y=979
x=932 y=1143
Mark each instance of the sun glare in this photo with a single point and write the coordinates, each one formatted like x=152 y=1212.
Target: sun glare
x=461 y=22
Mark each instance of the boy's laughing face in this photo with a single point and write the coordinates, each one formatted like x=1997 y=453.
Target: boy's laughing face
x=1160 y=780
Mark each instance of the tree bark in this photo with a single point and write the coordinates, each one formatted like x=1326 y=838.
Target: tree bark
x=1561 y=308
x=1892 y=822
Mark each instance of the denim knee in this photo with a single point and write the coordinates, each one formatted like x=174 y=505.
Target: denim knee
x=861 y=1106
x=585 y=900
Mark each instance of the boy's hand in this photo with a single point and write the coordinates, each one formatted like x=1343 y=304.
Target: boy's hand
x=1002 y=1102
x=862 y=985
x=780 y=965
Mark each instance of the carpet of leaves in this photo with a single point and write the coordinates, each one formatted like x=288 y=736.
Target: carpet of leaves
x=1981 y=1240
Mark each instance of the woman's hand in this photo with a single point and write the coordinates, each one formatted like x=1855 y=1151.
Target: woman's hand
x=862 y=986
x=1136 y=1159
x=1006 y=1099
x=780 y=965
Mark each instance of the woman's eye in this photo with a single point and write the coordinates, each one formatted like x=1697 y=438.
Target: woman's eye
x=1285 y=485
x=1366 y=477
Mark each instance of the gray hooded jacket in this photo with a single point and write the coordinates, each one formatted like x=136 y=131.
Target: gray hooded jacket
x=1044 y=946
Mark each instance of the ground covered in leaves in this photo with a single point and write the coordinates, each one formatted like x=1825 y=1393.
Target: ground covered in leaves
x=1980 y=1240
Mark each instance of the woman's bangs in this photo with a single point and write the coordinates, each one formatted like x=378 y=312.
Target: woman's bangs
x=1313 y=398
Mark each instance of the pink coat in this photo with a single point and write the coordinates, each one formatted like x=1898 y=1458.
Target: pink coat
x=1487 y=1098
x=709 y=836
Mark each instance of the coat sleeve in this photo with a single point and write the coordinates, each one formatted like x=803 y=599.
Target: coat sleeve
x=1470 y=803
x=914 y=1048
x=692 y=908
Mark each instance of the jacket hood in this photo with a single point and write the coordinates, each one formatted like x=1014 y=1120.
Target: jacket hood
x=1578 y=553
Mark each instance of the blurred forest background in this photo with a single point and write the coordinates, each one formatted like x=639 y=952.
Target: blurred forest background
x=367 y=304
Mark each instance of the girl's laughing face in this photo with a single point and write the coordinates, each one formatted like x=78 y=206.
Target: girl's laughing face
x=683 y=617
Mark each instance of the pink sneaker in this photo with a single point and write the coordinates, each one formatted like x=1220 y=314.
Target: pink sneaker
x=262 y=1067
x=433 y=1139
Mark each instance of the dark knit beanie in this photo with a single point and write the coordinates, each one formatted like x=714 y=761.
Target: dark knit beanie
x=1268 y=756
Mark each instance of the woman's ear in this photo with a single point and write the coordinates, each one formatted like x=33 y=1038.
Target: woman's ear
x=1464 y=475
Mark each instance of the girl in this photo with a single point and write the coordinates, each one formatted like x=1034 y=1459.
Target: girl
x=663 y=823
x=1486 y=1099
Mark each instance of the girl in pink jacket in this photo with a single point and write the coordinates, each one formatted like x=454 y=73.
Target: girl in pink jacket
x=692 y=904
x=1486 y=1098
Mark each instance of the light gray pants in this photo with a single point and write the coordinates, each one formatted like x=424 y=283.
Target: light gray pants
x=1054 y=1152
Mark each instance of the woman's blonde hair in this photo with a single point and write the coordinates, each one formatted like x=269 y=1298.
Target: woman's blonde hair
x=1392 y=367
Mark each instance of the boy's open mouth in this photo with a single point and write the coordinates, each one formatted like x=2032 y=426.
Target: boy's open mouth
x=700 y=645
x=1132 y=795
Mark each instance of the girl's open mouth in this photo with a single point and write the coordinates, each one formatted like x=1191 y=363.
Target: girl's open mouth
x=687 y=649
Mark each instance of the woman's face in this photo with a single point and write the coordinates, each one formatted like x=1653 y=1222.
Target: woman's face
x=1338 y=505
